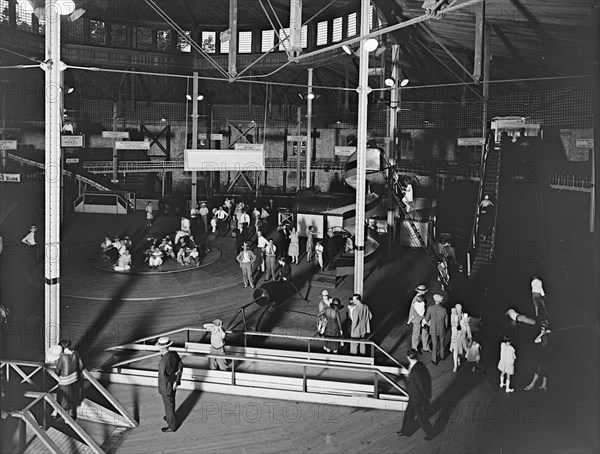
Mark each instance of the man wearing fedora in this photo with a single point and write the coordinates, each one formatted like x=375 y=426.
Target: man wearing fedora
x=170 y=368
x=437 y=319
x=418 y=387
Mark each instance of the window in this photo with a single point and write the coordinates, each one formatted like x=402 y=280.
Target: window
x=97 y=32
x=75 y=30
x=208 y=42
x=352 y=24
x=4 y=17
x=24 y=13
x=184 y=45
x=144 y=38
x=245 y=42
x=164 y=39
x=322 y=33
x=284 y=36
x=371 y=14
x=338 y=23
x=224 y=46
x=304 y=36
x=267 y=40
x=118 y=35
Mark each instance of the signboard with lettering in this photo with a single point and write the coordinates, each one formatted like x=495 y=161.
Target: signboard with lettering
x=296 y=138
x=259 y=147
x=202 y=136
x=115 y=134
x=69 y=141
x=470 y=141
x=132 y=145
x=72 y=161
x=585 y=143
x=344 y=151
x=8 y=144
x=10 y=177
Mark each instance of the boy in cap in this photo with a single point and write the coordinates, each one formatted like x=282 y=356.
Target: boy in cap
x=217 y=344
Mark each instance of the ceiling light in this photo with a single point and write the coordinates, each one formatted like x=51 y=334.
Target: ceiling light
x=310 y=96
x=347 y=49
x=200 y=97
x=404 y=82
x=188 y=97
x=163 y=119
x=370 y=44
x=70 y=90
x=389 y=82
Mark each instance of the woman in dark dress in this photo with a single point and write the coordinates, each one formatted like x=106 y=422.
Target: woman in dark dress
x=334 y=326
x=68 y=369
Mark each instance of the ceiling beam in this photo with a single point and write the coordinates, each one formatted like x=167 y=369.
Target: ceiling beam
x=188 y=12
x=450 y=70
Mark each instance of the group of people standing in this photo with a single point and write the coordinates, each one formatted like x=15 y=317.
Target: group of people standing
x=354 y=323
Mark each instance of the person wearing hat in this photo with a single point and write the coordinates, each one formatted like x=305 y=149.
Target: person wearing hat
x=418 y=387
x=334 y=325
x=359 y=317
x=285 y=271
x=437 y=319
x=325 y=301
x=170 y=369
x=217 y=344
x=421 y=292
x=203 y=212
x=246 y=258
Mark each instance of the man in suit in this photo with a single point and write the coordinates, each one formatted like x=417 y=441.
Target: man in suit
x=285 y=271
x=418 y=387
x=270 y=259
x=359 y=317
x=246 y=258
x=437 y=319
x=170 y=368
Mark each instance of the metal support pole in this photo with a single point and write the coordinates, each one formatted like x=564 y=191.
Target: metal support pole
x=309 y=127
x=233 y=20
x=479 y=24
x=298 y=177
x=195 y=136
x=392 y=143
x=486 y=87
x=115 y=160
x=361 y=152
x=53 y=67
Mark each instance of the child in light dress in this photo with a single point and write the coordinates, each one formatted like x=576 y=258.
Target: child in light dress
x=506 y=365
x=473 y=353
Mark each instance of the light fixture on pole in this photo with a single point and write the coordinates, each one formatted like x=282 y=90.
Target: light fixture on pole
x=371 y=44
x=189 y=97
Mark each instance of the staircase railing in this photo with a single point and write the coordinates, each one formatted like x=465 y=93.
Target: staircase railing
x=489 y=145
x=428 y=243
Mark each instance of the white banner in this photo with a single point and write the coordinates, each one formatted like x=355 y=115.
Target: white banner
x=344 y=151
x=115 y=134
x=296 y=138
x=132 y=145
x=257 y=147
x=8 y=144
x=202 y=136
x=470 y=141
x=584 y=143
x=68 y=141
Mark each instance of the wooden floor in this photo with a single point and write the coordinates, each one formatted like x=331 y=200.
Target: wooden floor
x=101 y=309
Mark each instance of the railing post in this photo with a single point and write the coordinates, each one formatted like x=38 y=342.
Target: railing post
x=233 y=372
x=22 y=430
x=304 y=384
x=187 y=335
x=376 y=385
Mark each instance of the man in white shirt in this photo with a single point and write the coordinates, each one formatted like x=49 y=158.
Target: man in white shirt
x=270 y=259
x=246 y=258
x=221 y=218
x=262 y=245
x=537 y=295
x=30 y=237
x=203 y=212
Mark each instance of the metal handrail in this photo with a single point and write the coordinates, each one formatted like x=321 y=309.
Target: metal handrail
x=188 y=329
x=45 y=367
x=570 y=179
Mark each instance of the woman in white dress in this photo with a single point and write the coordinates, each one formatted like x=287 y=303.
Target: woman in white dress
x=506 y=365
x=461 y=333
x=294 y=247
